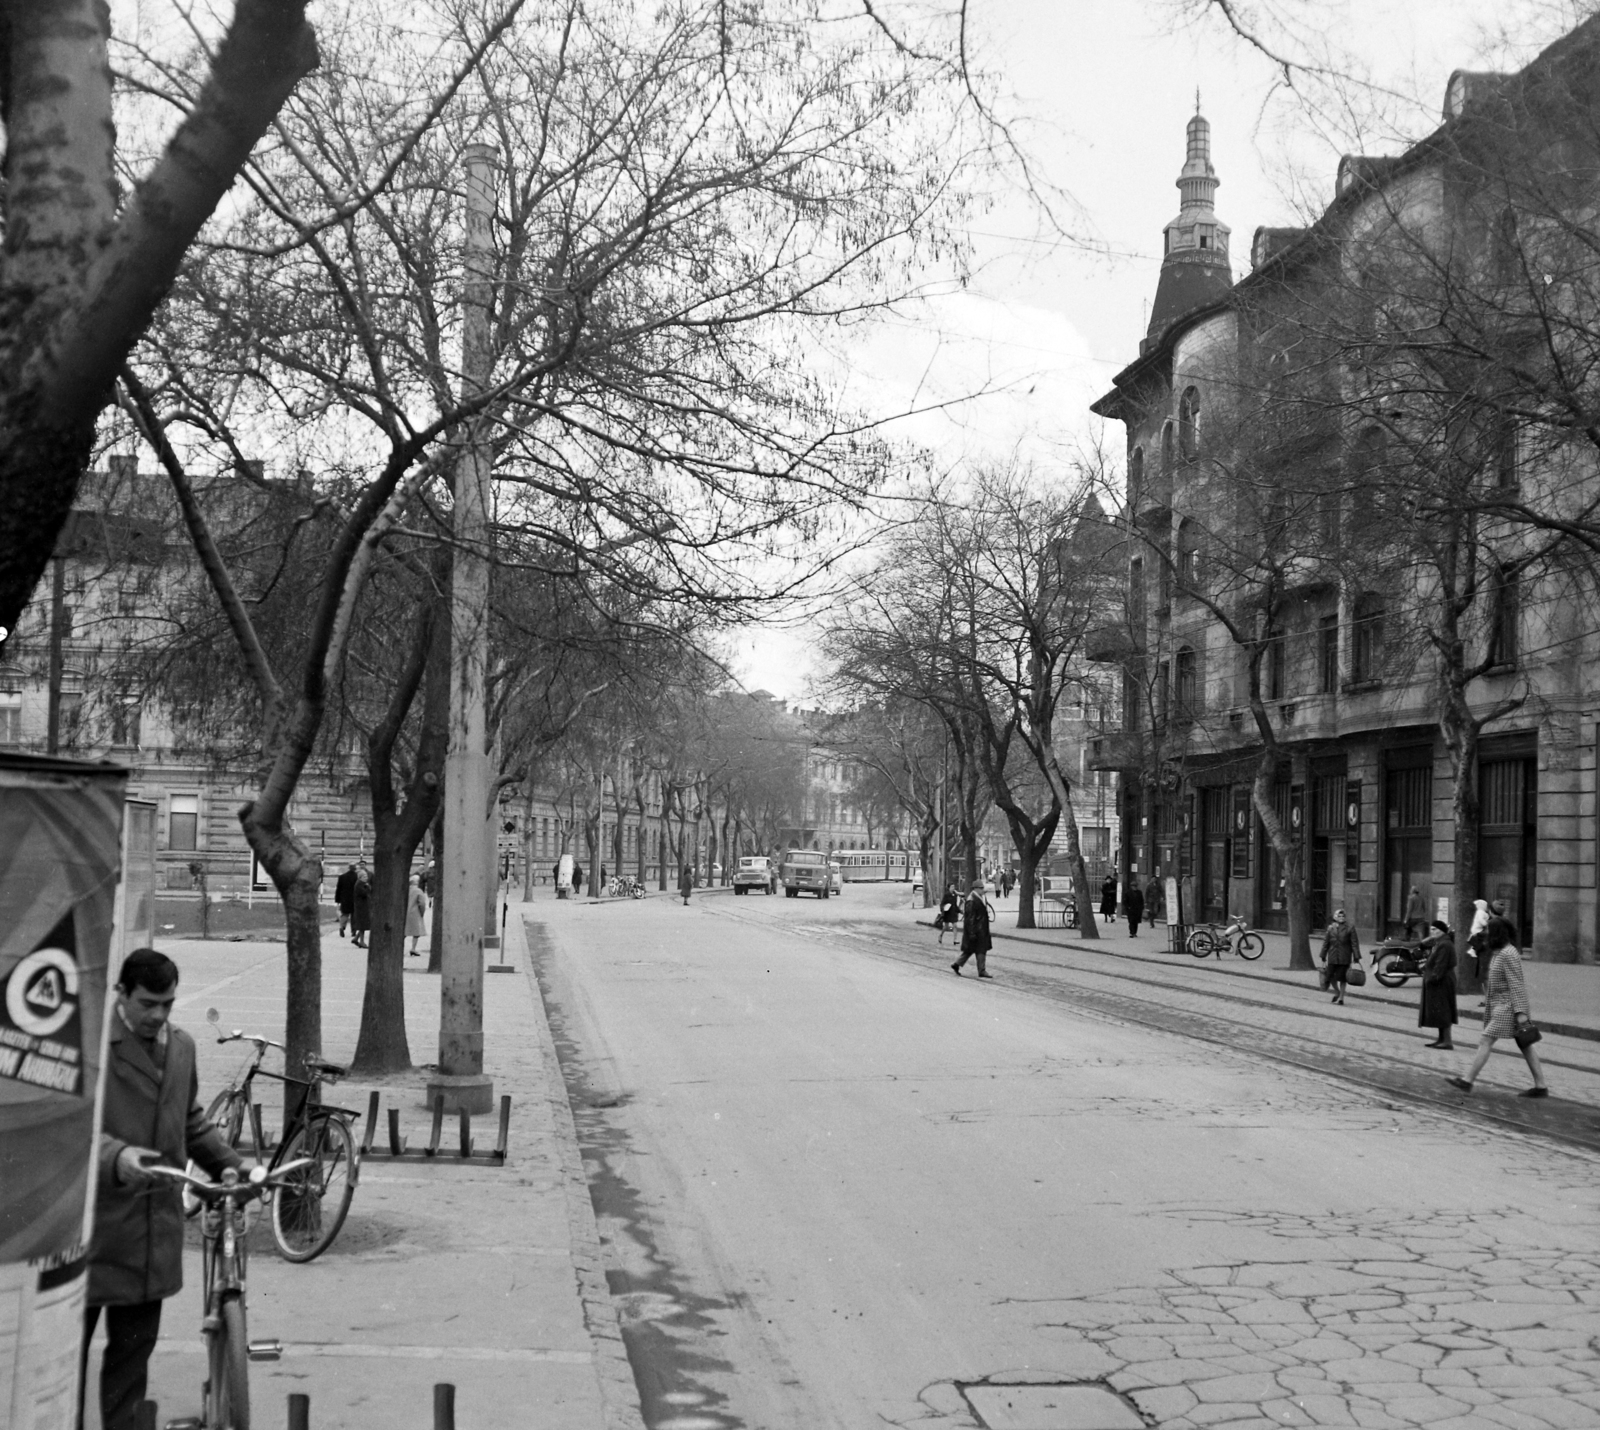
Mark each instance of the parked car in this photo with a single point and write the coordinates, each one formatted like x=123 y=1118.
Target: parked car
x=754 y=872
x=916 y=880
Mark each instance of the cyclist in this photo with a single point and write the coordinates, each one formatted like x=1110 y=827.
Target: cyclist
x=151 y=1114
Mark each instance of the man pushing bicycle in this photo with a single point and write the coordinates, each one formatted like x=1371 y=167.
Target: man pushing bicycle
x=151 y=1115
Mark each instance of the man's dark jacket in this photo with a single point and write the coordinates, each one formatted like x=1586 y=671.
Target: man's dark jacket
x=344 y=891
x=137 y=1251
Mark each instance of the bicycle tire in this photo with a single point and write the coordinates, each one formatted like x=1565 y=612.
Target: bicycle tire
x=1202 y=943
x=226 y=1114
x=1251 y=945
x=310 y=1207
x=229 y=1363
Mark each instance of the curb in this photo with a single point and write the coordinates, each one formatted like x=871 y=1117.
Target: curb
x=618 y=1393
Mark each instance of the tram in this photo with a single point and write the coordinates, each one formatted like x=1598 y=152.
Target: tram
x=875 y=866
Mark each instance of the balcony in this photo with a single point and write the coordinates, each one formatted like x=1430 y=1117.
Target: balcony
x=1109 y=645
x=1118 y=750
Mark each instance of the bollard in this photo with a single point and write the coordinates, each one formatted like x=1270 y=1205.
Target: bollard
x=444 y=1406
x=299 y=1411
x=505 y=1126
x=397 y=1143
x=372 y=1121
x=432 y=1149
x=466 y=1135
x=144 y=1415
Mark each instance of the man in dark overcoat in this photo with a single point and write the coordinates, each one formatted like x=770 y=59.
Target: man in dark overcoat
x=975 y=939
x=1108 y=897
x=344 y=896
x=1133 y=907
x=151 y=1114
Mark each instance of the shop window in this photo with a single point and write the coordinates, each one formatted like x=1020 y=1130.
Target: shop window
x=183 y=822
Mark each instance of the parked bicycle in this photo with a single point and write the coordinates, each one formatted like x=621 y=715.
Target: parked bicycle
x=625 y=886
x=1207 y=939
x=309 y=1208
x=225 y=1395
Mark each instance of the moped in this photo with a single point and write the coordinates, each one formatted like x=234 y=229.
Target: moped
x=1396 y=961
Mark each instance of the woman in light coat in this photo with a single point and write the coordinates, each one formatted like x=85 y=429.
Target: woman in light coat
x=1505 y=1008
x=416 y=913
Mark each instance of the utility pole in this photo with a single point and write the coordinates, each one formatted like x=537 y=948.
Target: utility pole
x=463 y=872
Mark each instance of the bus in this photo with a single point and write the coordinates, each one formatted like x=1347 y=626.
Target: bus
x=875 y=866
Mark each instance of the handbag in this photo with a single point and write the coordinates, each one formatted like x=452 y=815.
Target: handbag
x=1527 y=1034
x=1322 y=977
x=1357 y=976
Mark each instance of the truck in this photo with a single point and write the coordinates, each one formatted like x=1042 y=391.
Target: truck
x=805 y=871
x=754 y=872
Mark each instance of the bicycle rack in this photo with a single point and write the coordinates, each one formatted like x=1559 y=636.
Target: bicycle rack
x=444 y=1411
x=466 y=1148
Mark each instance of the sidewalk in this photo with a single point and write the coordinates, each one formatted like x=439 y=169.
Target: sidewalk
x=484 y=1276
x=1565 y=996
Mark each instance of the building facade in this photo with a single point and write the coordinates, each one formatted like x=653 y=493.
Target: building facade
x=1338 y=522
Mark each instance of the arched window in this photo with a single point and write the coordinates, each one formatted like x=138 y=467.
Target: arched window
x=1189 y=422
x=1366 y=639
x=1136 y=469
x=1168 y=450
x=1507 y=255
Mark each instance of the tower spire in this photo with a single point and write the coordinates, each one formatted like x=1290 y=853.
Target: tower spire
x=1194 y=262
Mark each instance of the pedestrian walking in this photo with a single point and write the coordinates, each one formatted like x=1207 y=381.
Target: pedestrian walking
x=1506 y=1012
x=1108 y=897
x=416 y=912
x=685 y=884
x=975 y=939
x=361 y=905
x=150 y=1113
x=577 y=878
x=1480 y=922
x=344 y=893
x=1416 y=914
x=949 y=911
x=1011 y=881
x=1154 y=901
x=1438 y=1007
x=1340 y=948
x=1133 y=907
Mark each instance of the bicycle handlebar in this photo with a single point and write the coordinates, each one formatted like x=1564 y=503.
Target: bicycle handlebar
x=252 y=1185
x=236 y=1036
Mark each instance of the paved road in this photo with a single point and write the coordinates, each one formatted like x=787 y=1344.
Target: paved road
x=840 y=1187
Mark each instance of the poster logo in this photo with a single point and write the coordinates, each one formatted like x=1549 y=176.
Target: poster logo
x=41 y=1037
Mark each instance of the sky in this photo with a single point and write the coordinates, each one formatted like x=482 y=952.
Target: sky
x=1104 y=90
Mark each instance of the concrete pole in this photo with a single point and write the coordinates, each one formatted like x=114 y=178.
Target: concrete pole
x=461 y=1078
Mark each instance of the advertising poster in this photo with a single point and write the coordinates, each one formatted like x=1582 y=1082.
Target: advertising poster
x=60 y=857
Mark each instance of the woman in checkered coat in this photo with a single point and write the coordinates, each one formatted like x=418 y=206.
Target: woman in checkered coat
x=1505 y=1008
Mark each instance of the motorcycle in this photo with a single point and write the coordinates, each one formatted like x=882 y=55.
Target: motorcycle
x=1395 y=962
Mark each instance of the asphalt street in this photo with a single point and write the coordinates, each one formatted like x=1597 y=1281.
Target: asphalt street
x=837 y=1186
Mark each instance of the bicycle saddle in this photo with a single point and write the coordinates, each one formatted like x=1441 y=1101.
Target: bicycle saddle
x=322 y=1066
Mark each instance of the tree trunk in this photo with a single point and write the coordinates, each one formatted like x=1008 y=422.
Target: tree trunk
x=1088 y=926
x=1290 y=854
x=436 y=932
x=297 y=875
x=1461 y=739
x=381 y=1046
x=527 y=843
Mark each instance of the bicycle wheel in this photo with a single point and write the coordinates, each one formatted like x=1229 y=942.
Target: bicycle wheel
x=1251 y=945
x=228 y=1390
x=1202 y=943
x=309 y=1208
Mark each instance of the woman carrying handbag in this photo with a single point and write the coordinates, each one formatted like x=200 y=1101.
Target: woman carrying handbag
x=1505 y=1010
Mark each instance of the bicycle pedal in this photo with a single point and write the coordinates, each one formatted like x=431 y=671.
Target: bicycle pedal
x=266 y=1350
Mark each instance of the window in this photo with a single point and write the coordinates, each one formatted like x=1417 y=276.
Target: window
x=1186 y=679
x=10 y=718
x=1507 y=479
x=1136 y=469
x=1328 y=653
x=1163 y=692
x=125 y=720
x=1329 y=521
x=127 y=599
x=1168 y=453
x=1188 y=556
x=1507 y=249
x=1189 y=422
x=1275 y=666
x=1136 y=599
x=183 y=821
x=71 y=707
x=1366 y=656
x=1504 y=644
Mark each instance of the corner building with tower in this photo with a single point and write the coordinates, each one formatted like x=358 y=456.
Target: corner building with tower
x=1252 y=415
